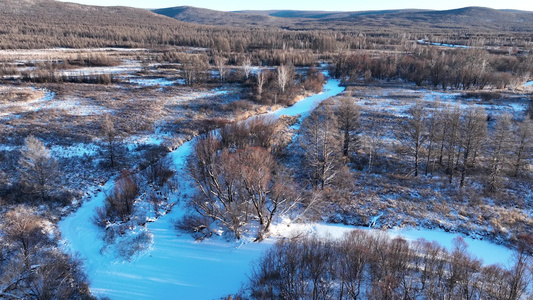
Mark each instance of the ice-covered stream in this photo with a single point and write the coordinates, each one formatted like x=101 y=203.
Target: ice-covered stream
x=177 y=267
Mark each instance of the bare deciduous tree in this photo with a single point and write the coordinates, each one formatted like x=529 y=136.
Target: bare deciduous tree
x=348 y=114
x=372 y=141
x=500 y=144
x=220 y=64
x=450 y=138
x=473 y=132
x=266 y=186
x=261 y=80
x=321 y=144
x=36 y=268
x=111 y=137
x=433 y=125
x=413 y=130
x=23 y=228
x=247 y=67
x=524 y=142
x=38 y=168
x=284 y=75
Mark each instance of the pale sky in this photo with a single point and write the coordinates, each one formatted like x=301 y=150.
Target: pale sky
x=329 y=5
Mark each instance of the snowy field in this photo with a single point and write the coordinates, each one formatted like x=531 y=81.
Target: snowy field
x=178 y=267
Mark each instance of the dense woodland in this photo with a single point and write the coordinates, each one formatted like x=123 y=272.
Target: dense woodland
x=451 y=164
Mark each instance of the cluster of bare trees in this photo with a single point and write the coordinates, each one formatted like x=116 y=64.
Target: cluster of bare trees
x=31 y=265
x=457 y=68
x=370 y=265
x=239 y=184
x=460 y=140
x=329 y=137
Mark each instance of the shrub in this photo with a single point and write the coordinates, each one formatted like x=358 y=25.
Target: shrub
x=119 y=205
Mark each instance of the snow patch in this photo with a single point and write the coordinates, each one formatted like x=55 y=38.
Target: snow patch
x=75 y=150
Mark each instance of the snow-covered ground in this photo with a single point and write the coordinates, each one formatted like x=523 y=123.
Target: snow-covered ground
x=143 y=82
x=177 y=267
x=11 y=109
x=128 y=67
x=489 y=252
x=397 y=101
x=75 y=150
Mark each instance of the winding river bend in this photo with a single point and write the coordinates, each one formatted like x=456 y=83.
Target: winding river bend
x=177 y=267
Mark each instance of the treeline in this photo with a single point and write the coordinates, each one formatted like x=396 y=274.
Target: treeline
x=460 y=141
x=370 y=265
x=432 y=139
x=48 y=24
x=455 y=69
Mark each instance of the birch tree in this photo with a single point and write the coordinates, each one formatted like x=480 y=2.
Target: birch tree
x=220 y=64
x=260 y=83
x=283 y=77
x=247 y=67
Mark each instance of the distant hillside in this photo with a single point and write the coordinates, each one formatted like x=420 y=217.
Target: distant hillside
x=468 y=17
x=213 y=17
x=37 y=24
x=478 y=18
x=48 y=23
x=317 y=14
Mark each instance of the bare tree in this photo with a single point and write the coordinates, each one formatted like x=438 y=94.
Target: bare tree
x=24 y=228
x=372 y=141
x=450 y=138
x=247 y=67
x=119 y=205
x=237 y=187
x=266 y=186
x=284 y=76
x=36 y=268
x=111 y=137
x=524 y=142
x=433 y=124
x=348 y=114
x=500 y=144
x=220 y=64
x=374 y=266
x=38 y=168
x=473 y=132
x=413 y=130
x=321 y=144
x=261 y=80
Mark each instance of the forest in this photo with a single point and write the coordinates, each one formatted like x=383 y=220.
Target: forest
x=124 y=130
